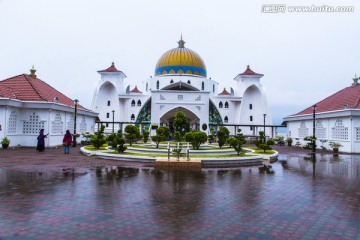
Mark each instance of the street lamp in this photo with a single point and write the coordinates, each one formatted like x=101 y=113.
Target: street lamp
x=264 y=128
x=313 y=138
x=113 y=111
x=74 y=135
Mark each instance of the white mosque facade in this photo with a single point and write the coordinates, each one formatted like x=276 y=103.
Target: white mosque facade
x=180 y=83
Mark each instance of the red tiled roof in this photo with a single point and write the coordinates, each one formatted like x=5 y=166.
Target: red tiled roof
x=112 y=68
x=224 y=92
x=248 y=71
x=346 y=98
x=135 y=90
x=27 y=88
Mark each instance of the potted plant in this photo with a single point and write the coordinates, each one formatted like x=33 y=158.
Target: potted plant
x=5 y=142
x=289 y=141
x=335 y=146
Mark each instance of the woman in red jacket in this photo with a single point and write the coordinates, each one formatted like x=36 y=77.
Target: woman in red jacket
x=67 y=140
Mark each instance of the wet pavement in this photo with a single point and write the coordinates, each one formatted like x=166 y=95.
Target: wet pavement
x=55 y=196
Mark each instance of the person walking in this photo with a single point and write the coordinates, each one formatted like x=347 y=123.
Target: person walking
x=41 y=141
x=67 y=140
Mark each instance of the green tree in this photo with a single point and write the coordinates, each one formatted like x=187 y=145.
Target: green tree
x=262 y=144
x=181 y=123
x=132 y=133
x=117 y=141
x=237 y=142
x=99 y=138
x=177 y=136
x=161 y=134
x=222 y=135
x=211 y=138
x=196 y=138
x=146 y=136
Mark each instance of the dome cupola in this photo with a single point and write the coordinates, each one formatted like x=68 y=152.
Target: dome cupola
x=180 y=60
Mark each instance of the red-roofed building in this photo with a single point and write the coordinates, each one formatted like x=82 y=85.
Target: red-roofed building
x=337 y=119
x=28 y=104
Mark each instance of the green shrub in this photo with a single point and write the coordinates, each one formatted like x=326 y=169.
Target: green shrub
x=196 y=138
x=99 y=138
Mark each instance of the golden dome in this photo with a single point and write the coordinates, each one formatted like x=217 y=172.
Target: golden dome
x=180 y=60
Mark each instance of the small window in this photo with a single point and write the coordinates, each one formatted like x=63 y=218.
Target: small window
x=108 y=103
x=251 y=128
x=147 y=86
x=139 y=103
x=107 y=115
x=180 y=97
x=226 y=105
x=133 y=103
x=226 y=120
x=189 y=82
x=213 y=88
x=251 y=118
x=107 y=124
x=171 y=81
x=157 y=84
x=220 y=104
x=202 y=86
x=250 y=106
x=132 y=117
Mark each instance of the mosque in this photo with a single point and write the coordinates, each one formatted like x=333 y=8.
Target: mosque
x=180 y=83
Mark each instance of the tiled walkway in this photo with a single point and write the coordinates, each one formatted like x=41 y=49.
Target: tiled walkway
x=55 y=196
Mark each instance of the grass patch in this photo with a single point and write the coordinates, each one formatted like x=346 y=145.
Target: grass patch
x=268 y=152
x=181 y=155
x=92 y=148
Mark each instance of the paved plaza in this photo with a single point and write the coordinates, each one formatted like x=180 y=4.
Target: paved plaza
x=51 y=195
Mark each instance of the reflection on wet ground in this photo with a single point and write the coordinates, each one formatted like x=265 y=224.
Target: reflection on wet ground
x=297 y=199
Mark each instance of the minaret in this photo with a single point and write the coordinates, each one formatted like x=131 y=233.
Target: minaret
x=114 y=76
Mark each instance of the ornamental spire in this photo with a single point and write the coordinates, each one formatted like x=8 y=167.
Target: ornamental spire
x=181 y=42
x=32 y=72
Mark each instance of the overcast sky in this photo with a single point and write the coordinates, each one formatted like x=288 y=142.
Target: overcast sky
x=304 y=56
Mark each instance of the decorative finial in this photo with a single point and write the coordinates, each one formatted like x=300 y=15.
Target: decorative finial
x=113 y=64
x=355 y=79
x=248 y=67
x=181 y=42
x=32 y=72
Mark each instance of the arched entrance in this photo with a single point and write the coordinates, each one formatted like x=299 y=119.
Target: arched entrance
x=168 y=118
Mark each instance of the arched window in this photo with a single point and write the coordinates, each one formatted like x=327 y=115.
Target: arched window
x=220 y=104
x=139 y=103
x=133 y=103
x=108 y=103
x=188 y=82
x=202 y=85
x=12 y=122
x=251 y=118
x=157 y=84
x=132 y=117
x=171 y=81
x=213 y=87
x=33 y=124
x=226 y=104
x=226 y=120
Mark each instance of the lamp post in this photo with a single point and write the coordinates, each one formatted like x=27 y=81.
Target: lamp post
x=113 y=111
x=264 y=128
x=313 y=138
x=74 y=135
